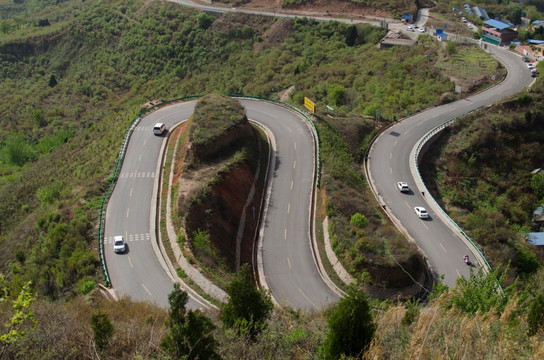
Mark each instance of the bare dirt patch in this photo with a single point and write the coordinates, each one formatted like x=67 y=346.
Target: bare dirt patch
x=333 y=8
x=275 y=35
x=320 y=8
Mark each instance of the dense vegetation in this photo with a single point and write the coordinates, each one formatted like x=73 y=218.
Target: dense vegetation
x=474 y=318
x=213 y=117
x=368 y=244
x=59 y=139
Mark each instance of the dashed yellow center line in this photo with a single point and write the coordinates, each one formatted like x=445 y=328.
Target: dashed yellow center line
x=291 y=184
x=295 y=144
x=288 y=129
x=285 y=234
x=395 y=144
x=294 y=164
x=426 y=227
x=310 y=301
x=146 y=289
x=289 y=263
x=391 y=170
x=390 y=156
x=288 y=207
x=145 y=141
x=128 y=211
x=458 y=273
x=131 y=192
x=130 y=262
x=443 y=248
x=140 y=157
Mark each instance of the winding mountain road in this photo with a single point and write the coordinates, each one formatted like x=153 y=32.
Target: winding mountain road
x=288 y=262
x=391 y=159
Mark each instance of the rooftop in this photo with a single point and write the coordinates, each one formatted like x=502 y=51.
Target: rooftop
x=498 y=24
x=536 y=238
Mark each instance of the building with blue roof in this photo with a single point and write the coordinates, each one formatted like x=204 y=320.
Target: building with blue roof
x=498 y=32
x=409 y=18
x=441 y=35
x=481 y=13
x=535 y=238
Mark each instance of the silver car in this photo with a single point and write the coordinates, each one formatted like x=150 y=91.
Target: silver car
x=119 y=245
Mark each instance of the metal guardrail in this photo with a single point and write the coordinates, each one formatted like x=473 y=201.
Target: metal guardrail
x=115 y=174
x=121 y=157
x=421 y=143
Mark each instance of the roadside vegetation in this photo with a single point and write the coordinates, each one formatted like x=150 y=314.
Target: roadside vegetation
x=472 y=318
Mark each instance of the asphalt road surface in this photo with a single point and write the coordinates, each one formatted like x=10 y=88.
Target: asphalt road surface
x=141 y=272
x=290 y=268
x=289 y=265
x=389 y=162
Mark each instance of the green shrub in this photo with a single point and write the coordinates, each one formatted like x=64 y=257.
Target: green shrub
x=526 y=260
x=359 y=220
x=204 y=21
x=201 y=241
x=351 y=325
x=102 y=329
x=247 y=308
x=85 y=285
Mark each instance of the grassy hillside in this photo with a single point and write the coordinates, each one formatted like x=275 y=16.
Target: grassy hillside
x=68 y=97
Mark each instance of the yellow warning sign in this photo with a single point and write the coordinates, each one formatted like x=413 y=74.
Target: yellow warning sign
x=309 y=104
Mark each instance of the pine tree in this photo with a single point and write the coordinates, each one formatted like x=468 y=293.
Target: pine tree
x=102 y=329
x=247 y=308
x=351 y=326
x=190 y=335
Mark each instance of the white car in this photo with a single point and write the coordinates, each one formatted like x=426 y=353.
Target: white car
x=421 y=212
x=530 y=66
x=159 y=129
x=409 y=28
x=119 y=244
x=421 y=30
x=403 y=187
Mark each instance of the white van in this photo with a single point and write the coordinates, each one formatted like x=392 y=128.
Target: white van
x=159 y=129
